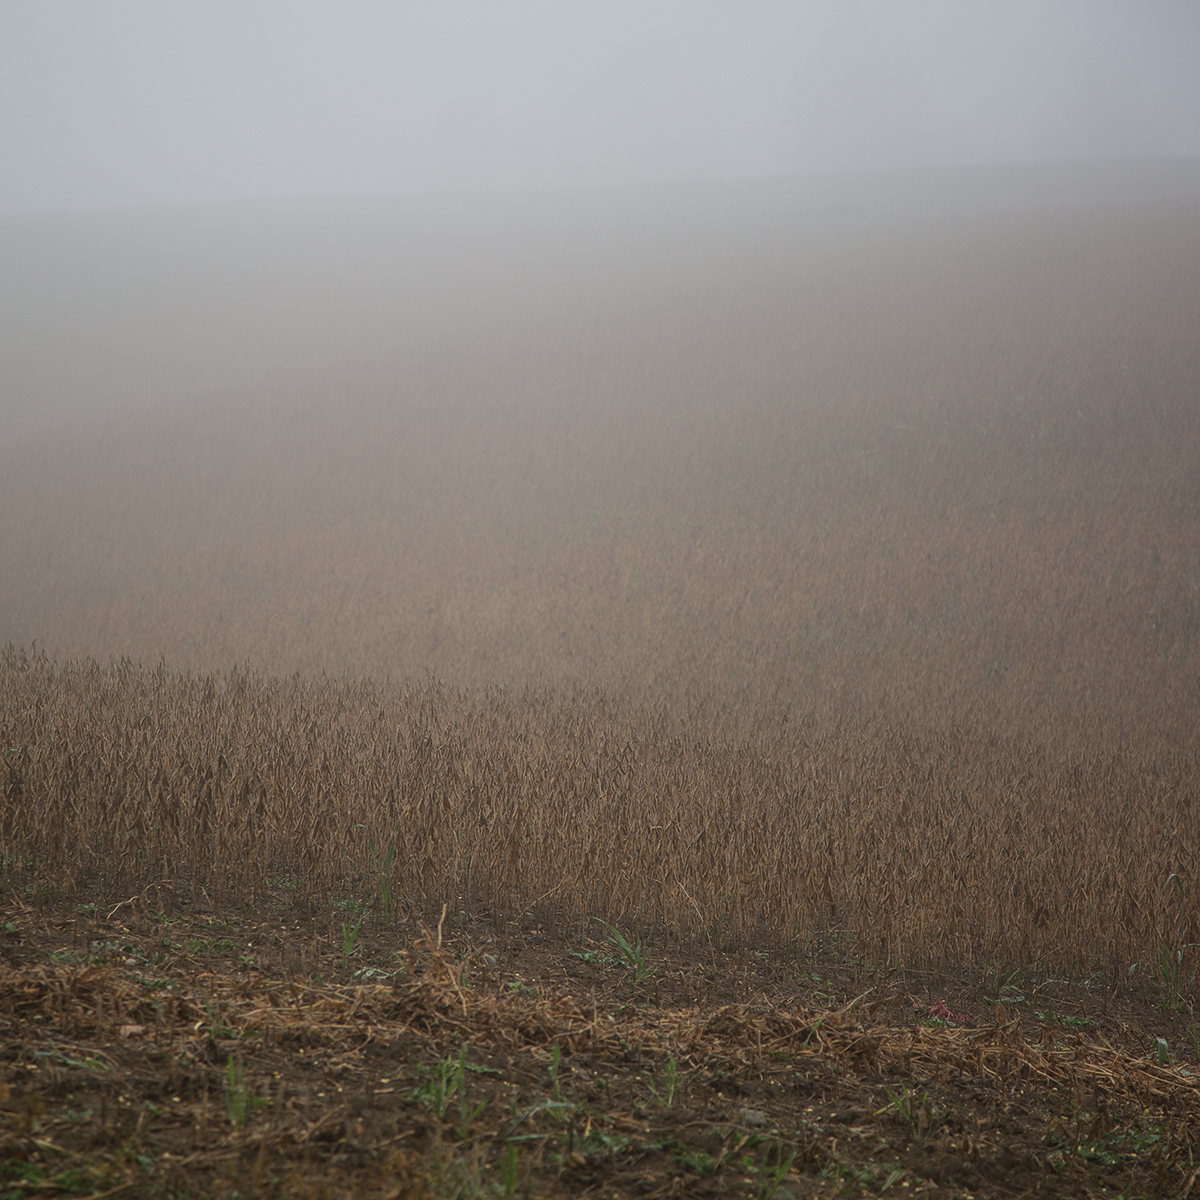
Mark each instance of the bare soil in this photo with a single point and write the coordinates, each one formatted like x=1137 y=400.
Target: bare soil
x=270 y=1052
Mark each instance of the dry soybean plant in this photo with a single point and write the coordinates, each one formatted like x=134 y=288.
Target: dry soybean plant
x=924 y=847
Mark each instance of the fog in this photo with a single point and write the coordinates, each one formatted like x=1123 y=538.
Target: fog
x=135 y=104
x=680 y=351
x=129 y=311
x=216 y=197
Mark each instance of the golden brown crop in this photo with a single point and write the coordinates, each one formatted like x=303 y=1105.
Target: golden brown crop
x=924 y=847
x=861 y=593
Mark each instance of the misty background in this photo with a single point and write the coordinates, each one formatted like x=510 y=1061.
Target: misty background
x=136 y=104
x=776 y=353
x=223 y=196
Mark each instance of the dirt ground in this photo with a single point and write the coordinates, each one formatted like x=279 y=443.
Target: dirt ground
x=271 y=1053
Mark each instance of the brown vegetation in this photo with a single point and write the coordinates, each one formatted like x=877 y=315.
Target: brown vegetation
x=850 y=607
x=863 y=592
x=927 y=847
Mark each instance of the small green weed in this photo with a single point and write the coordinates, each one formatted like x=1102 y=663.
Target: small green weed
x=1170 y=969
x=240 y=1101
x=55 y=1055
x=634 y=956
x=349 y=940
x=879 y=1176
x=768 y=1175
x=1162 y=1052
x=698 y=1161
x=594 y=956
x=915 y=1112
x=208 y=946
x=217 y=1029
x=601 y=1141
x=437 y=1087
x=510 y=1172
x=383 y=868
x=1069 y=1022
x=445 y=1082
x=367 y=974
x=665 y=1094
x=21 y=1178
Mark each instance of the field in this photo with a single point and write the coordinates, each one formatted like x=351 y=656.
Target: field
x=728 y=729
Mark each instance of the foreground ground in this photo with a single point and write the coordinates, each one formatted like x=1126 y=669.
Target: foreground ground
x=268 y=1054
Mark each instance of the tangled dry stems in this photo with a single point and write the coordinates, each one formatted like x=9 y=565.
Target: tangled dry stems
x=924 y=848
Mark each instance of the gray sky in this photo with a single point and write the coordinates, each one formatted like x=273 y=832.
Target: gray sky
x=126 y=103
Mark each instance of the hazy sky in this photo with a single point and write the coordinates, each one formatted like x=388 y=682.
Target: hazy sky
x=122 y=103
